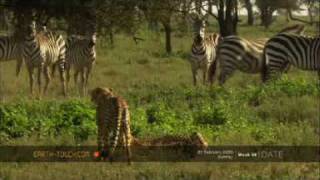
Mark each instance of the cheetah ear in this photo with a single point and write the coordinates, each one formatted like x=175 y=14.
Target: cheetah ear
x=111 y=89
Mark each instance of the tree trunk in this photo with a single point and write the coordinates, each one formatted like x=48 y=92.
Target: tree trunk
x=266 y=16
x=210 y=6
x=167 y=29
x=310 y=15
x=228 y=17
x=287 y=16
x=250 y=12
x=310 y=5
x=198 y=4
x=4 y=19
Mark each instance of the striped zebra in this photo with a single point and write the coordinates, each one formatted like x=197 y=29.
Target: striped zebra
x=283 y=49
x=10 y=49
x=41 y=51
x=203 y=50
x=237 y=53
x=80 y=55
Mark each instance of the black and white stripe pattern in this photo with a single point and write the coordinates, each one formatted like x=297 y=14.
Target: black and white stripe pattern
x=203 y=50
x=80 y=55
x=41 y=51
x=236 y=53
x=283 y=49
x=10 y=49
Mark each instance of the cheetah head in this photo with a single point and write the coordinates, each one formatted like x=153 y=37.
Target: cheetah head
x=99 y=93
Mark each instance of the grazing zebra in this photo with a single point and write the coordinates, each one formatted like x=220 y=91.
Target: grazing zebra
x=10 y=49
x=80 y=55
x=236 y=53
x=203 y=50
x=283 y=49
x=41 y=51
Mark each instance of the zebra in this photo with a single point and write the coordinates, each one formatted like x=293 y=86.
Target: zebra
x=81 y=56
x=202 y=50
x=40 y=51
x=237 y=53
x=10 y=49
x=283 y=49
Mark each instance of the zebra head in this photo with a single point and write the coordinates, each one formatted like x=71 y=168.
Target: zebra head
x=199 y=24
x=93 y=40
x=41 y=29
x=30 y=31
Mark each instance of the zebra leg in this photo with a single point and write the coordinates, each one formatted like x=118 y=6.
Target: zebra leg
x=204 y=75
x=194 y=73
x=83 y=79
x=67 y=75
x=87 y=76
x=18 y=66
x=212 y=72
x=53 y=70
x=47 y=79
x=40 y=69
x=75 y=76
x=30 y=71
x=63 y=79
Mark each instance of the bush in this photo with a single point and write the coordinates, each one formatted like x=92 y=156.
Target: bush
x=210 y=115
x=14 y=121
x=47 y=119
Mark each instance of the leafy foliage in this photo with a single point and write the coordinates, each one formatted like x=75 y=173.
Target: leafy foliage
x=224 y=116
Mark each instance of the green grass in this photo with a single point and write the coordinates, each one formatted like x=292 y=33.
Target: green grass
x=162 y=99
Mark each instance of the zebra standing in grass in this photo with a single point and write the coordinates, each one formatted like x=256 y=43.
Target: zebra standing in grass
x=10 y=49
x=283 y=49
x=80 y=55
x=41 y=51
x=203 y=50
x=236 y=53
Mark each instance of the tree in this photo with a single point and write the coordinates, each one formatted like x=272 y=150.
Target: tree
x=115 y=16
x=249 y=7
x=161 y=11
x=313 y=7
x=268 y=7
x=228 y=17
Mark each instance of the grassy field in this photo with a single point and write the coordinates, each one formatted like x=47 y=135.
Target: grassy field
x=163 y=101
